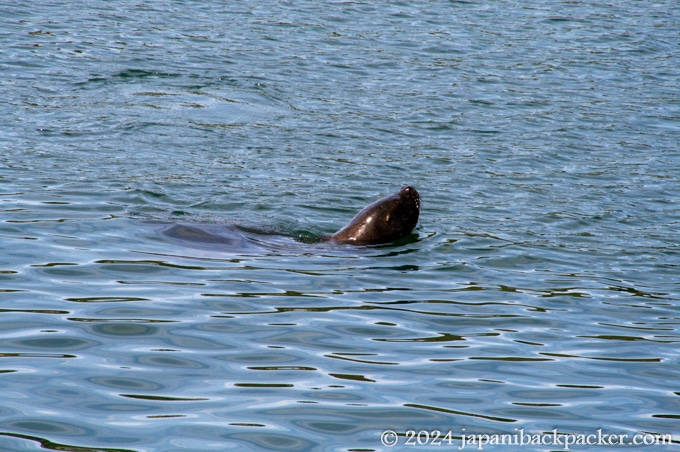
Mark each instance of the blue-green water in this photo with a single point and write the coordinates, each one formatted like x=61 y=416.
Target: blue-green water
x=543 y=292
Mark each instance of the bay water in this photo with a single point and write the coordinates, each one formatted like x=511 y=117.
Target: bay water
x=540 y=297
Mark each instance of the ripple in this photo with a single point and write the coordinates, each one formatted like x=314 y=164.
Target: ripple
x=36 y=355
x=125 y=383
x=277 y=441
x=53 y=342
x=173 y=362
x=163 y=399
x=123 y=329
x=51 y=445
x=49 y=427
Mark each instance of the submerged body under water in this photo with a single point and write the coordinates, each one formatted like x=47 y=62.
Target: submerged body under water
x=231 y=238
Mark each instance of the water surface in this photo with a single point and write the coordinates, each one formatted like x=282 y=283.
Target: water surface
x=542 y=291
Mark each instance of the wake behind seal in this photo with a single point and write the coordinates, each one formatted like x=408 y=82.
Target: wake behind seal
x=385 y=220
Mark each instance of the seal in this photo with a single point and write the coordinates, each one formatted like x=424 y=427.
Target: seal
x=386 y=220
x=383 y=221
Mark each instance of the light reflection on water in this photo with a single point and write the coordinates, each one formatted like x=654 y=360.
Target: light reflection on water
x=284 y=348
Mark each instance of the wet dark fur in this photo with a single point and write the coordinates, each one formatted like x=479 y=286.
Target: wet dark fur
x=383 y=221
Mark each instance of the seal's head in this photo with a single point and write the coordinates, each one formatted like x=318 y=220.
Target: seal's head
x=385 y=220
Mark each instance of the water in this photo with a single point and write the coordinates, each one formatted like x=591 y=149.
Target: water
x=542 y=293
